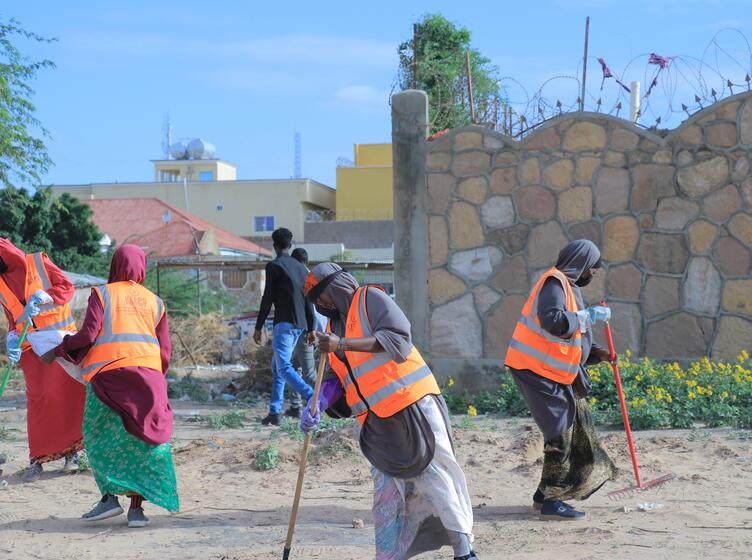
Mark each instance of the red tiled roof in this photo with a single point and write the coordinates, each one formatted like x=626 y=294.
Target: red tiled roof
x=141 y=221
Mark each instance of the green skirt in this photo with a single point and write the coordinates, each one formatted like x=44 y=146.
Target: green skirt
x=124 y=464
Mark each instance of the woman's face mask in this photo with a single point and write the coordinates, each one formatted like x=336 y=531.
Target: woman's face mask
x=586 y=278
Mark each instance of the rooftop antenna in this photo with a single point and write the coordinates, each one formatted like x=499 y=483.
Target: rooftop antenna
x=167 y=137
x=298 y=163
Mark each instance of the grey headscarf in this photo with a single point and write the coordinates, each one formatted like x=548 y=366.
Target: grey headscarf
x=391 y=327
x=578 y=256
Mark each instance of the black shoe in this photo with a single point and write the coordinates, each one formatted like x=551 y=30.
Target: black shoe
x=466 y=556
x=538 y=500
x=293 y=412
x=271 y=419
x=556 y=510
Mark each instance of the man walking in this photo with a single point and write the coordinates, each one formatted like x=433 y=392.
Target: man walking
x=285 y=278
x=303 y=358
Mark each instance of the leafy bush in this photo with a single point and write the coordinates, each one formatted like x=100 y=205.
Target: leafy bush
x=227 y=419
x=659 y=395
x=267 y=458
x=662 y=395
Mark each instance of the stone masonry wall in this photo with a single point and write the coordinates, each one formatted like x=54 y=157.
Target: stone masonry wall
x=672 y=216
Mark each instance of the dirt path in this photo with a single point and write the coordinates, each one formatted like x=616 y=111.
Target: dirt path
x=231 y=511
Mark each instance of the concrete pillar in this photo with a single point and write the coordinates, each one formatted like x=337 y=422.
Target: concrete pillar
x=409 y=131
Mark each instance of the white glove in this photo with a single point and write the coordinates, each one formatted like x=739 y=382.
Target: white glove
x=11 y=346
x=42 y=298
x=583 y=318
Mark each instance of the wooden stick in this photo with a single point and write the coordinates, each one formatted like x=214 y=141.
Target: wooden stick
x=185 y=346
x=303 y=459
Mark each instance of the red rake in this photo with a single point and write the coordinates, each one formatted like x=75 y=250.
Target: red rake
x=639 y=486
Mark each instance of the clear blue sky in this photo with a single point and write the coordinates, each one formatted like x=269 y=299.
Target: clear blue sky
x=247 y=75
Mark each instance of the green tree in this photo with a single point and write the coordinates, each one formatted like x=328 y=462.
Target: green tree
x=23 y=155
x=62 y=228
x=441 y=71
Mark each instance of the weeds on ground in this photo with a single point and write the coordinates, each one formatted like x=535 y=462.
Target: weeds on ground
x=5 y=434
x=231 y=418
x=266 y=459
x=291 y=428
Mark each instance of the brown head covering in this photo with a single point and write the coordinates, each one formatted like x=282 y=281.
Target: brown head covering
x=128 y=263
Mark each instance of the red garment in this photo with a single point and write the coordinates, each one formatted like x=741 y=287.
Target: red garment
x=54 y=401
x=137 y=394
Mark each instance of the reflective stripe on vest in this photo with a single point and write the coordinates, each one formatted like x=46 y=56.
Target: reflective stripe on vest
x=375 y=382
x=113 y=349
x=535 y=349
x=51 y=316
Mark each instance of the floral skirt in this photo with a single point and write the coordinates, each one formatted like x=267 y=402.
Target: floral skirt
x=124 y=464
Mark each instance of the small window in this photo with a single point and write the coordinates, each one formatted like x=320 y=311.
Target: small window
x=220 y=207
x=263 y=224
x=206 y=175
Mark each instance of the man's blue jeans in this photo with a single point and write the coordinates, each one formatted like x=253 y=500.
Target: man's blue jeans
x=284 y=338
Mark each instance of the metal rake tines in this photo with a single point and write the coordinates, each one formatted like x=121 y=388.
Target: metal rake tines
x=650 y=485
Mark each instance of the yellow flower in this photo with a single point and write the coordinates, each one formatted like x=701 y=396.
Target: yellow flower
x=724 y=395
x=451 y=382
x=691 y=383
x=691 y=395
x=593 y=400
x=472 y=411
x=643 y=402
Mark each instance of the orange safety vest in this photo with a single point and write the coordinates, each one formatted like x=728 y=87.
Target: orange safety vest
x=128 y=335
x=376 y=383
x=52 y=317
x=537 y=350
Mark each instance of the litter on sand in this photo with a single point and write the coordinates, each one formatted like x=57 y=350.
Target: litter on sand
x=645 y=506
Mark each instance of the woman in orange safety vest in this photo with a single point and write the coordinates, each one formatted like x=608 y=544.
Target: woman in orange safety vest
x=548 y=354
x=380 y=378
x=123 y=349
x=35 y=291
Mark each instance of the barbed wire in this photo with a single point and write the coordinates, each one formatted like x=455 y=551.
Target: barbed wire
x=673 y=87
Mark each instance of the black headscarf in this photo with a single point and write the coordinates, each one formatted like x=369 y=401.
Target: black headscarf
x=577 y=257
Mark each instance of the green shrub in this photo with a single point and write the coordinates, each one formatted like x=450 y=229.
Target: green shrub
x=658 y=395
x=266 y=459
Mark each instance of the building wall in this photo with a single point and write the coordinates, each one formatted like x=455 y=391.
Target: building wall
x=232 y=205
x=373 y=154
x=365 y=191
x=360 y=234
x=672 y=216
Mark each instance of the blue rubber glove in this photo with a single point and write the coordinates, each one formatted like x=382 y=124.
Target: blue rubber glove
x=599 y=313
x=11 y=345
x=32 y=308
x=308 y=421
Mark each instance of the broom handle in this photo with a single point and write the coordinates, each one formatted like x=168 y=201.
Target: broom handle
x=10 y=364
x=615 y=365
x=303 y=459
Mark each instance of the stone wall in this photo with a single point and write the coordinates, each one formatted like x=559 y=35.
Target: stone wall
x=671 y=215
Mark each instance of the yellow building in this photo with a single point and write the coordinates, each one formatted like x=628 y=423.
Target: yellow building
x=209 y=188
x=364 y=190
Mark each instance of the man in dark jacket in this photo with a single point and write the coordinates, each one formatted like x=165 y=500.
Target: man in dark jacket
x=285 y=277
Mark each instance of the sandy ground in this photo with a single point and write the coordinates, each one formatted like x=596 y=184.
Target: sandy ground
x=230 y=511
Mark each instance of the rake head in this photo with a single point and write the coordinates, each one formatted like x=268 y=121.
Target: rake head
x=650 y=485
